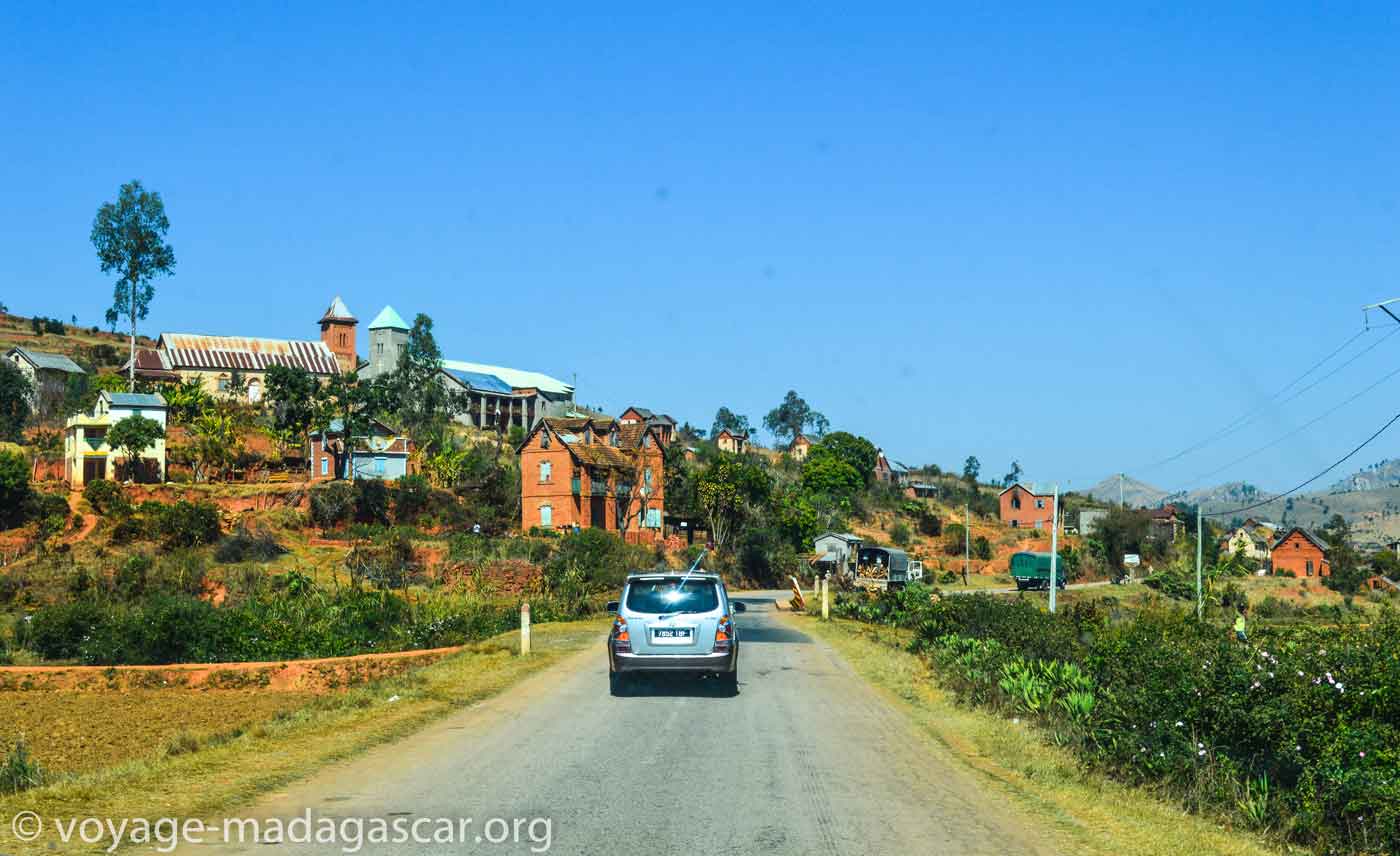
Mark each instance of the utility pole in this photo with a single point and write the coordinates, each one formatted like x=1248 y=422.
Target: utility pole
x=1199 y=605
x=967 y=540
x=1120 y=491
x=1054 y=545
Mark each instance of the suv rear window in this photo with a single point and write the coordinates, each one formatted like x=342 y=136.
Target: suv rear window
x=669 y=596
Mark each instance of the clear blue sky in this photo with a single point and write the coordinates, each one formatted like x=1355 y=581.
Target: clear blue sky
x=1079 y=237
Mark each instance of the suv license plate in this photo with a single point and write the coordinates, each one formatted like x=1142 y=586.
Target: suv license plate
x=672 y=635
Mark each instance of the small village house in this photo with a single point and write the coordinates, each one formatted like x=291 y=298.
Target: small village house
x=1165 y=524
x=888 y=473
x=593 y=472
x=1300 y=553
x=800 y=447
x=1023 y=508
x=665 y=426
x=1090 y=518
x=48 y=377
x=382 y=453
x=1250 y=539
x=86 y=455
x=732 y=442
x=836 y=553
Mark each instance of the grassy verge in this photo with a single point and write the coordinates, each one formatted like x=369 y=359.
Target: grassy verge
x=1082 y=812
x=202 y=775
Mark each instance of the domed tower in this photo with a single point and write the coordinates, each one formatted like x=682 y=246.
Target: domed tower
x=338 y=333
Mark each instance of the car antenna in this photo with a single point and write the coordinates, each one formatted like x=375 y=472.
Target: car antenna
x=693 y=566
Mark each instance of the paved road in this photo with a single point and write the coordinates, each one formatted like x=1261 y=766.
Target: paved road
x=807 y=759
x=953 y=588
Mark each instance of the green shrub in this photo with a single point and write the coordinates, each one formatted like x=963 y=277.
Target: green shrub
x=411 y=499
x=332 y=504
x=954 y=539
x=371 y=502
x=14 y=488
x=246 y=546
x=20 y=772
x=130 y=578
x=107 y=498
x=188 y=524
x=899 y=534
x=982 y=548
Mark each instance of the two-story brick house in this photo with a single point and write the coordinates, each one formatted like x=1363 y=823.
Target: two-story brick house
x=1300 y=553
x=1022 y=508
x=593 y=472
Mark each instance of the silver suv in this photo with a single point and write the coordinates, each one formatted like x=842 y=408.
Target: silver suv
x=674 y=622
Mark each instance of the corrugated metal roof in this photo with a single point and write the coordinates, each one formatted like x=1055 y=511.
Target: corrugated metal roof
x=237 y=353
x=135 y=399
x=45 y=360
x=480 y=381
x=387 y=317
x=515 y=377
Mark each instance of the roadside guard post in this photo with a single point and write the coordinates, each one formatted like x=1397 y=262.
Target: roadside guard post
x=826 y=601
x=798 y=601
x=525 y=629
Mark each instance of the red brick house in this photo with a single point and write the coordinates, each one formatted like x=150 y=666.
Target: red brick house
x=665 y=426
x=1022 y=508
x=1300 y=553
x=728 y=441
x=593 y=472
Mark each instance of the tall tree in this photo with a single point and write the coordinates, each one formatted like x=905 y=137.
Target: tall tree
x=129 y=235
x=15 y=394
x=728 y=420
x=971 y=469
x=726 y=491
x=292 y=391
x=1012 y=477
x=416 y=393
x=791 y=418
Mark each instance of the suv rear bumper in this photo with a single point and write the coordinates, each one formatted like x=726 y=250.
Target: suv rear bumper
x=725 y=662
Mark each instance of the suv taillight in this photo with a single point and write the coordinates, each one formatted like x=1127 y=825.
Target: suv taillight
x=621 y=641
x=723 y=633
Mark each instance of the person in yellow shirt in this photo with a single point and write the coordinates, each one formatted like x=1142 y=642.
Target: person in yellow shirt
x=1239 y=625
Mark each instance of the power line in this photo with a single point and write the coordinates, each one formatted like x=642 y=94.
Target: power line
x=1251 y=415
x=1295 y=489
x=1295 y=431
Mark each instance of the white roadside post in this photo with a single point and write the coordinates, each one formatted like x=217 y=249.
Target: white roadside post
x=826 y=601
x=1198 y=563
x=1054 y=545
x=525 y=629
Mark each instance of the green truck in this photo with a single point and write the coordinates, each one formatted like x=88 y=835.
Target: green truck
x=1032 y=571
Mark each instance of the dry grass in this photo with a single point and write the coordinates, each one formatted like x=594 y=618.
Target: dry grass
x=59 y=725
x=197 y=778
x=1083 y=812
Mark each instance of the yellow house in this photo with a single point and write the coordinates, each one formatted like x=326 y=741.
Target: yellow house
x=87 y=456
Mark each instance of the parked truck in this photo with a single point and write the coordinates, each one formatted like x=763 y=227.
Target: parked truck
x=880 y=568
x=1032 y=571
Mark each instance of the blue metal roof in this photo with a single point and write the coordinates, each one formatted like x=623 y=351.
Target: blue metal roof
x=480 y=380
x=135 y=399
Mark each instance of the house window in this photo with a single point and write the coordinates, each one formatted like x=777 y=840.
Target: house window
x=544 y=439
x=646 y=476
x=379 y=466
x=1040 y=503
x=546 y=515
x=653 y=518
x=325 y=465
x=613 y=439
x=1016 y=502
x=546 y=470
x=379 y=348
x=1310 y=567
x=646 y=441
x=223 y=383
x=1015 y=524
x=1037 y=524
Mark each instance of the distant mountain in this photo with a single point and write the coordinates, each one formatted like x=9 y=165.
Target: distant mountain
x=1230 y=493
x=1135 y=493
x=1382 y=474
